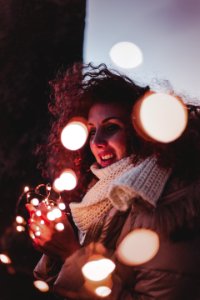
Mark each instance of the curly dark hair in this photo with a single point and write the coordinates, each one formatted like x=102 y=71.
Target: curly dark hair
x=74 y=91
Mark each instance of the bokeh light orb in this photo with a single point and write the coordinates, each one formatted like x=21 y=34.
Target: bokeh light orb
x=138 y=247
x=126 y=55
x=160 y=117
x=5 y=259
x=20 y=219
x=97 y=270
x=20 y=228
x=62 y=205
x=42 y=286
x=74 y=135
x=103 y=291
x=34 y=201
x=67 y=181
x=59 y=226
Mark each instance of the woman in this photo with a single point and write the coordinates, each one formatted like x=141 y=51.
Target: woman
x=161 y=193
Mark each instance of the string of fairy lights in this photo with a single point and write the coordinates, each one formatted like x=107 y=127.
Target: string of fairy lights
x=157 y=116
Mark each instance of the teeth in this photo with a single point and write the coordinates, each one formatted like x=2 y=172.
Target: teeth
x=107 y=156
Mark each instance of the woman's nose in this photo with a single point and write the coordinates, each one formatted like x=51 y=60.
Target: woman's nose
x=99 y=139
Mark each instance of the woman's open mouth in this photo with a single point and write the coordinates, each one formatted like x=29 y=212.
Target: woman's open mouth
x=107 y=159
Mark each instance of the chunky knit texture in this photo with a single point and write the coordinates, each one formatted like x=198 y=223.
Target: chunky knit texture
x=146 y=180
x=118 y=185
x=96 y=203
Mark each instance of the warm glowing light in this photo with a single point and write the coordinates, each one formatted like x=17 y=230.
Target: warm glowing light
x=161 y=117
x=20 y=228
x=42 y=286
x=37 y=233
x=62 y=205
x=42 y=222
x=57 y=212
x=32 y=236
x=126 y=55
x=26 y=189
x=34 y=202
x=103 y=291
x=48 y=187
x=5 y=259
x=138 y=247
x=59 y=226
x=97 y=270
x=51 y=216
x=74 y=135
x=38 y=213
x=67 y=181
x=20 y=219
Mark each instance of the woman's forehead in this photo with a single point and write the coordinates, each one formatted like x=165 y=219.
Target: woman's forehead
x=101 y=111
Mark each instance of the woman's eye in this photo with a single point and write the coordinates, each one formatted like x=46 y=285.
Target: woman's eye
x=112 y=128
x=92 y=132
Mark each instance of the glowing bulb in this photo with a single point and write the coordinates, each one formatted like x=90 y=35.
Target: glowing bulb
x=20 y=228
x=5 y=259
x=59 y=226
x=161 y=117
x=126 y=55
x=51 y=216
x=48 y=187
x=31 y=234
x=97 y=270
x=74 y=135
x=42 y=286
x=19 y=220
x=138 y=247
x=67 y=181
x=62 y=205
x=26 y=189
x=38 y=213
x=37 y=233
x=57 y=212
x=103 y=291
x=34 y=202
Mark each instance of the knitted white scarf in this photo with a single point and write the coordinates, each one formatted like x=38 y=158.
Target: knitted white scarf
x=118 y=185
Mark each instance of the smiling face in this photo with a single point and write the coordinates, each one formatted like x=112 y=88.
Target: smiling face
x=107 y=125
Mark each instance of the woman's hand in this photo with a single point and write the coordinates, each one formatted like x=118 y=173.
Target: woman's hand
x=46 y=238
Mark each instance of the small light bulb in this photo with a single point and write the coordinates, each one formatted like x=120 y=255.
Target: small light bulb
x=20 y=219
x=50 y=216
x=57 y=213
x=34 y=202
x=38 y=213
x=26 y=189
x=20 y=228
x=37 y=233
x=62 y=205
x=59 y=226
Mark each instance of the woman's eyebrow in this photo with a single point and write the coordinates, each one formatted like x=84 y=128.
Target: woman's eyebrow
x=107 y=119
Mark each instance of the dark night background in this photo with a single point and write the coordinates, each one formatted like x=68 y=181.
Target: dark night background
x=37 y=37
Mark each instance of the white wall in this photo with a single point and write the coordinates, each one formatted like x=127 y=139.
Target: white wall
x=167 y=31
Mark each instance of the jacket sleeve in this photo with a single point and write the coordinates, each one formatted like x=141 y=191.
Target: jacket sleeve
x=71 y=283
x=47 y=269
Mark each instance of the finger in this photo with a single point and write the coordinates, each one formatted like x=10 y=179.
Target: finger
x=30 y=208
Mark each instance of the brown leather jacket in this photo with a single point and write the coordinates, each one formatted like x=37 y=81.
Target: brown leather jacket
x=172 y=274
